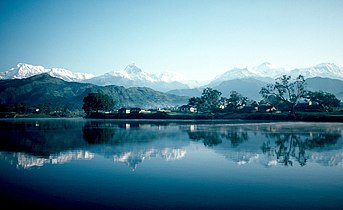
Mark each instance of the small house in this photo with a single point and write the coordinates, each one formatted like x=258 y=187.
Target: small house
x=187 y=108
x=123 y=111
x=266 y=108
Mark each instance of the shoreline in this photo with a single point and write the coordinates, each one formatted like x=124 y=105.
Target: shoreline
x=266 y=117
x=205 y=117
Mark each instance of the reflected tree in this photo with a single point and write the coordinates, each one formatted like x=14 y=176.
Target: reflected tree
x=215 y=137
x=95 y=133
x=236 y=137
x=209 y=138
x=291 y=146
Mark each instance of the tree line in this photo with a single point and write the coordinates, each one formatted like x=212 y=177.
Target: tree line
x=285 y=93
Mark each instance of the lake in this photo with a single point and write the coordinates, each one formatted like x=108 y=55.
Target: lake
x=113 y=164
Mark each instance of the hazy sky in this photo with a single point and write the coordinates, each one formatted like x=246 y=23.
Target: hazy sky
x=199 y=39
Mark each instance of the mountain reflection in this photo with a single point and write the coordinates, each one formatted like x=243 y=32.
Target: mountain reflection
x=34 y=143
x=132 y=143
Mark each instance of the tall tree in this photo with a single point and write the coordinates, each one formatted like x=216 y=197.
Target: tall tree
x=325 y=100
x=286 y=90
x=94 y=102
x=195 y=101
x=211 y=98
x=236 y=100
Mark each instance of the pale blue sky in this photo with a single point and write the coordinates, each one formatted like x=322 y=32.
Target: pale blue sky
x=199 y=39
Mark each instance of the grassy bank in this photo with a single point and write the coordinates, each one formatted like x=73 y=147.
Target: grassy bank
x=303 y=116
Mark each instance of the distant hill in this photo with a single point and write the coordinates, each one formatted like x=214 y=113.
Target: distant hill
x=192 y=92
x=250 y=87
x=43 y=88
x=333 y=86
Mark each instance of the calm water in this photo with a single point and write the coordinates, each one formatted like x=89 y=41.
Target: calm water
x=104 y=164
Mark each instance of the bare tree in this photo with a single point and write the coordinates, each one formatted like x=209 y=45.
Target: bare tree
x=286 y=90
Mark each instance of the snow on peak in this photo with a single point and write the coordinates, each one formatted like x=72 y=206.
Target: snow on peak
x=133 y=69
x=141 y=78
x=23 y=70
x=326 y=65
x=170 y=76
x=265 y=67
x=268 y=70
x=328 y=70
x=236 y=73
x=132 y=72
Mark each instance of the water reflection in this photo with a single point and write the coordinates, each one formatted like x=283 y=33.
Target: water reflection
x=40 y=137
x=280 y=143
x=291 y=145
x=97 y=133
x=31 y=143
x=210 y=137
x=34 y=143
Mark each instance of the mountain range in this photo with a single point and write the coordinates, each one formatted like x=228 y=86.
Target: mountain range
x=23 y=70
x=133 y=76
x=16 y=84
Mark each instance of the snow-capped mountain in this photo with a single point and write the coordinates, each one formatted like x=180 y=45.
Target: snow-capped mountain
x=134 y=73
x=23 y=70
x=268 y=70
x=133 y=76
x=235 y=73
x=325 y=70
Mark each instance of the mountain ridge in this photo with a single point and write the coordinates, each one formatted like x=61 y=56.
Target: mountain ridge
x=242 y=80
x=134 y=76
x=23 y=70
x=43 y=88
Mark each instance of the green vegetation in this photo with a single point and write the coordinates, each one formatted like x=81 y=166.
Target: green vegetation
x=326 y=101
x=210 y=99
x=237 y=100
x=255 y=116
x=44 y=96
x=94 y=102
x=45 y=92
